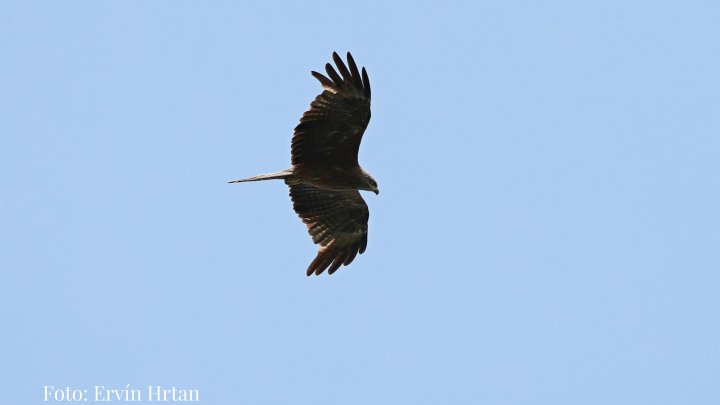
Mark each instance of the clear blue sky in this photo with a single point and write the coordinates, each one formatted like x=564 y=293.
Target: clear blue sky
x=547 y=232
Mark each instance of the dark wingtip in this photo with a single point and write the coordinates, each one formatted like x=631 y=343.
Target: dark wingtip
x=351 y=61
x=318 y=265
x=338 y=261
x=366 y=82
x=338 y=61
x=344 y=72
x=324 y=81
x=334 y=76
x=354 y=73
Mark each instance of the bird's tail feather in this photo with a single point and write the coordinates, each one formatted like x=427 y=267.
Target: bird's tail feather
x=268 y=176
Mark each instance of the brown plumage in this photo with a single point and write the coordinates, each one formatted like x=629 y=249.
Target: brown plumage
x=325 y=175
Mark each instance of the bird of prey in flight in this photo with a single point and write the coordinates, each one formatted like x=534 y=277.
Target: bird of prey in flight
x=325 y=175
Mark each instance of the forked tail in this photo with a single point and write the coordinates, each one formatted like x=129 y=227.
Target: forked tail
x=268 y=176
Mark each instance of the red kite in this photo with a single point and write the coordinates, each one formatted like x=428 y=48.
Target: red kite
x=325 y=175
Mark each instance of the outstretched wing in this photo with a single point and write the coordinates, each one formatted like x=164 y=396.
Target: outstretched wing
x=330 y=132
x=336 y=220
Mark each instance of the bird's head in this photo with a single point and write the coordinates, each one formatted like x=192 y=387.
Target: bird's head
x=370 y=183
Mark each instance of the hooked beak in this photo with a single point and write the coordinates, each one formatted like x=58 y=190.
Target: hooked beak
x=377 y=191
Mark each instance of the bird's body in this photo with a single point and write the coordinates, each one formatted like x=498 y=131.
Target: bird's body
x=332 y=178
x=325 y=175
